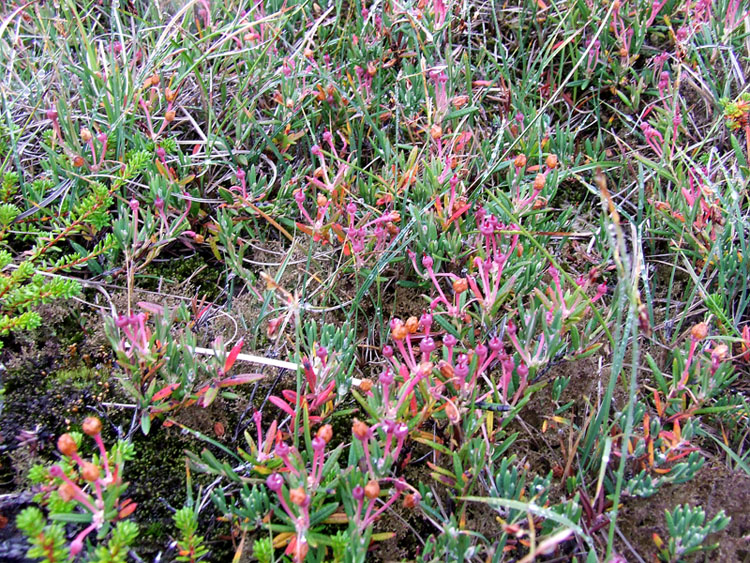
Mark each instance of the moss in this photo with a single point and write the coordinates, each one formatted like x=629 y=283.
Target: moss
x=79 y=377
x=174 y=272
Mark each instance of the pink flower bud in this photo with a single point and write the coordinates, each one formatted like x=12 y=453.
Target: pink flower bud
x=56 y=472
x=274 y=482
x=282 y=449
x=386 y=378
x=76 y=546
x=427 y=345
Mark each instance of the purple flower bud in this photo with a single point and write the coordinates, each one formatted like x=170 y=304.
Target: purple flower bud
x=427 y=262
x=134 y=205
x=481 y=351
x=318 y=444
x=450 y=340
x=496 y=344
x=240 y=174
x=282 y=449
x=351 y=209
x=102 y=138
x=554 y=273
x=299 y=196
x=56 y=471
x=159 y=204
x=486 y=227
x=316 y=150
x=76 y=546
x=321 y=352
x=511 y=327
x=522 y=370
x=401 y=431
x=426 y=320
x=601 y=290
x=52 y=114
x=427 y=345
x=358 y=493
x=386 y=378
x=274 y=482
x=327 y=137
x=121 y=321
x=462 y=368
x=390 y=425
x=388 y=351
x=161 y=153
x=399 y=484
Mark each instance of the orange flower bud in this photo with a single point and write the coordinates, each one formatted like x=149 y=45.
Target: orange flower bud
x=699 y=331
x=170 y=95
x=325 y=433
x=92 y=426
x=551 y=161
x=66 y=491
x=460 y=285
x=169 y=116
x=89 y=471
x=360 y=429
x=539 y=182
x=399 y=332
x=520 y=161
x=410 y=500
x=365 y=385
x=86 y=135
x=436 y=131
x=372 y=489
x=298 y=496
x=78 y=161
x=321 y=200
x=446 y=370
x=66 y=444
x=412 y=324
